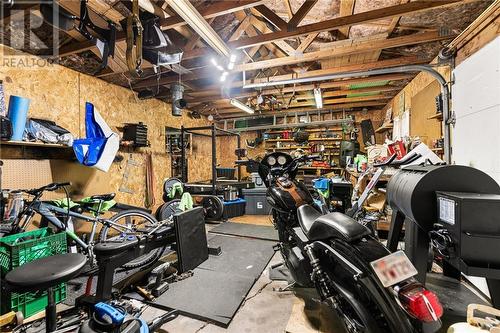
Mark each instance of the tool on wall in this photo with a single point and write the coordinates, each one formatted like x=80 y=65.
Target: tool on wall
x=134 y=40
x=150 y=182
x=124 y=186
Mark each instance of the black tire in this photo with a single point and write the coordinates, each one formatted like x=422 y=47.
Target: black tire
x=146 y=259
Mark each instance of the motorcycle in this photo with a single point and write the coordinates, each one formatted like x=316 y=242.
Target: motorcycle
x=370 y=288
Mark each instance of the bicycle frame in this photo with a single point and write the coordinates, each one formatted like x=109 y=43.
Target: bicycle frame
x=48 y=211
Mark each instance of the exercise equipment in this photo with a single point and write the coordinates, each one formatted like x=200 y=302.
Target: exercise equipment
x=210 y=194
x=412 y=192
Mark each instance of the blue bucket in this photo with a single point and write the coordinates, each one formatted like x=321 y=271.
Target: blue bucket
x=18 y=112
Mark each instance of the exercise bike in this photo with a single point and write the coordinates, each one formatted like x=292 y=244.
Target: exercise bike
x=99 y=315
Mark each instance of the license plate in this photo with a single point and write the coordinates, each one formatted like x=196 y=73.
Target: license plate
x=394 y=268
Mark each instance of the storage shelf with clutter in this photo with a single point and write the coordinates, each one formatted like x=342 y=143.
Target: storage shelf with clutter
x=323 y=141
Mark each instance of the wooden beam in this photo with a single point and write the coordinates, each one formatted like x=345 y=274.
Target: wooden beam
x=308 y=96
x=301 y=14
x=237 y=113
x=346 y=21
x=272 y=17
x=207 y=73
x=306 y=42
x=288 y=7
x=283 y=45
x=346 y=9
x=345 y=50
x=240 y=30
x=307 y=87
x=218 y=8
x=332 y=101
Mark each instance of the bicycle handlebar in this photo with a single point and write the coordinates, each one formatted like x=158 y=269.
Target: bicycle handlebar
x=49 y=187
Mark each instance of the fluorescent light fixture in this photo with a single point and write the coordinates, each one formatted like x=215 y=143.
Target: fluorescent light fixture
x=219 y=67
x=223 y=77
x=230 y=66
x=317 y=98
x=241 y=106
x=232 y=58
x=192 y=17
x=214 y=62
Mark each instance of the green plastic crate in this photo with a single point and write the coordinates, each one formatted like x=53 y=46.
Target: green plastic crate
x=18 y=249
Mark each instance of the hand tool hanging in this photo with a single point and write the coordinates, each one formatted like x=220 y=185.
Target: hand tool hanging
x=134 y=40
x=150 y=182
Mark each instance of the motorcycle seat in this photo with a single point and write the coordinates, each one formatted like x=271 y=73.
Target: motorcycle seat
x=333 y=225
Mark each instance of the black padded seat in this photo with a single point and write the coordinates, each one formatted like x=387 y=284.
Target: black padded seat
x=45 y=273
x=332 y=225
x=103 y=197
x=307 y=214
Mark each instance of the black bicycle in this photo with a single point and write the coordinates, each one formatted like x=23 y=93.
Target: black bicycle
x=128 y=222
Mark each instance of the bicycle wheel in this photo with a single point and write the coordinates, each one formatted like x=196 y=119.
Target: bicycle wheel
x=138 y=223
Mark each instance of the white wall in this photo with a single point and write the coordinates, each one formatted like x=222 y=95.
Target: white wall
x=476 y=103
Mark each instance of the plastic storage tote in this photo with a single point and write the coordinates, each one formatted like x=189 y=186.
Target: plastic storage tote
x=18 y=249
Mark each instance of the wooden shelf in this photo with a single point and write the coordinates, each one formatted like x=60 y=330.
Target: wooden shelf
x=312 y=139
x=438 y=116
x=384 y=127
x=35 y=150
x=312 y=130
x=33 y=144
x=318 y=168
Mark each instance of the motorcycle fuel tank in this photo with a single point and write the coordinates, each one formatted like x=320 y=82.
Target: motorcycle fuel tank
x=288 y=196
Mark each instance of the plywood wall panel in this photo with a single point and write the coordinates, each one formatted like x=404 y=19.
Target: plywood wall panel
x=59 y=94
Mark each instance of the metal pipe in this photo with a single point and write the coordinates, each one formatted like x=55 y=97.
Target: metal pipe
x=398 y=69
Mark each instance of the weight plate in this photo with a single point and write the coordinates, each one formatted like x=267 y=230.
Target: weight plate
x=169 y=183
x=213 y=206
x=168 y=209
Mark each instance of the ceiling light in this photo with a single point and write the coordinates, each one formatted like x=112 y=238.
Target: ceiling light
x=241 y=106
x=317 y=98
x=223 y=77
x=189 y=13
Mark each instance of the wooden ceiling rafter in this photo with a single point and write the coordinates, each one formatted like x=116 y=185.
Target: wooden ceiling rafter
x=291 y=111
x=271 y=17
x=219 y=8
x=348 y=68
x=301 y=14
x=346 y=49
x=355 y=19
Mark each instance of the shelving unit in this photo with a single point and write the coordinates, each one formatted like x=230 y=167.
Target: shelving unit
x=35 y=150
x=331 y=152
x=384 y=127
